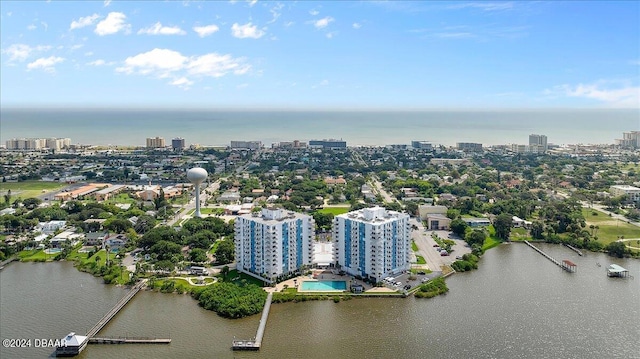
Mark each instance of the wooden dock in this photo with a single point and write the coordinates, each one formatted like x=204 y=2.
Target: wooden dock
x=574 y=249
x=565 y=264
x=116 y=309
x=129 y=340
x=7 y=261
x=257 y=342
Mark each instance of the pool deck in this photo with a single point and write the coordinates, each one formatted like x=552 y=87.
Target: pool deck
x=322 y=275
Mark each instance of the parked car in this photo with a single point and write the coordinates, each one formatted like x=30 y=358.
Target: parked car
x=444 y=253
x=459 y=257
x=422 y=273
x=407 y=287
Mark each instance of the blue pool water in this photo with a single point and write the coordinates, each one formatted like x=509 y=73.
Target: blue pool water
x=325 y=285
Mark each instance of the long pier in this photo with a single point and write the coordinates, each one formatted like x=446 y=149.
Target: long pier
x=112 y=313
x=566 y=265
x=257 y=342
x=129 y=340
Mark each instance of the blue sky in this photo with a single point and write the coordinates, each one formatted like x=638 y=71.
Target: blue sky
x=336 y=54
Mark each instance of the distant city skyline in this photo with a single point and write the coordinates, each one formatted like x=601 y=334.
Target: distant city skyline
x=316 y=55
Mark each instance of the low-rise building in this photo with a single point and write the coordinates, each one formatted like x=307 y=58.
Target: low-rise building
x=437 y=221
x=632 y=193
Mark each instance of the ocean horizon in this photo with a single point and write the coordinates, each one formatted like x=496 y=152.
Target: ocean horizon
x=131 y=127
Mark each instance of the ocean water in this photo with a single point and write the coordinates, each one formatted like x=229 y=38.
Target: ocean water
x=214 y=127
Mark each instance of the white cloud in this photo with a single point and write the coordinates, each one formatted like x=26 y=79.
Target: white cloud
x=45 y=63
x=322 y=23
x=252 y=2
x=76 y=47
x=242 y=86
x=182 y=82
x=206 y=30
x=453 y=35
x=157 y=61
x=322 y=83
x=158 y=29
x=625 y=95
x=289 y=23
x=275 y=13
x=215 y=65
x=20 y=52
x=107 y=3
x=115 y=22
x=356 y=25
x=101 y=62
x=246 y=31
x=314 y=12
x=84 y=21
x=485 y=6
x=165 y=63
x=31 y=27
x=331 y=34
x=45 y=25
x=88 y=53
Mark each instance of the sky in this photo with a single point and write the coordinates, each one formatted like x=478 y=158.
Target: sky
x=320 y=55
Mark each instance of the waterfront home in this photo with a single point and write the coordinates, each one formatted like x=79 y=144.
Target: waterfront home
x=95 y=238
x=116 y=241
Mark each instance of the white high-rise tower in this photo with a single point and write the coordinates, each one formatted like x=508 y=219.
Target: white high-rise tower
x=197 y=175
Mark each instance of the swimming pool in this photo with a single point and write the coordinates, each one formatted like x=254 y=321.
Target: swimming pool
x=324 y=286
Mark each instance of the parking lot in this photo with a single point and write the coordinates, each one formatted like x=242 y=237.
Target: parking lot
x=426 y=246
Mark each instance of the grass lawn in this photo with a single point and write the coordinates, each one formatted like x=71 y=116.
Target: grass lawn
x=610 y=228
x=101 y=254
x=420 y=260
x=34 y=255
x=335 y=210
x=519 y=234
x=28 y=189
x=492 y=240
x=214 y=211
x=414 y=246
x=233 y=274
x=121 y=198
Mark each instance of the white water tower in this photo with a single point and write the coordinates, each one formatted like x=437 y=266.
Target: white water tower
x=197 y=175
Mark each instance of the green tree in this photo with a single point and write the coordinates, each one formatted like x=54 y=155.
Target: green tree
x=232 y=301
x=165 y=250
x=616 y=249
x=323 y=221
x=502 y=224
x=31 y=203
x=224 y=271
x=453 y=213
x=477 y=236
x=118 y=225
x=164 y=265
x=459 y=227
x=537 y=230
x=198 y=255
x=225 y=252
